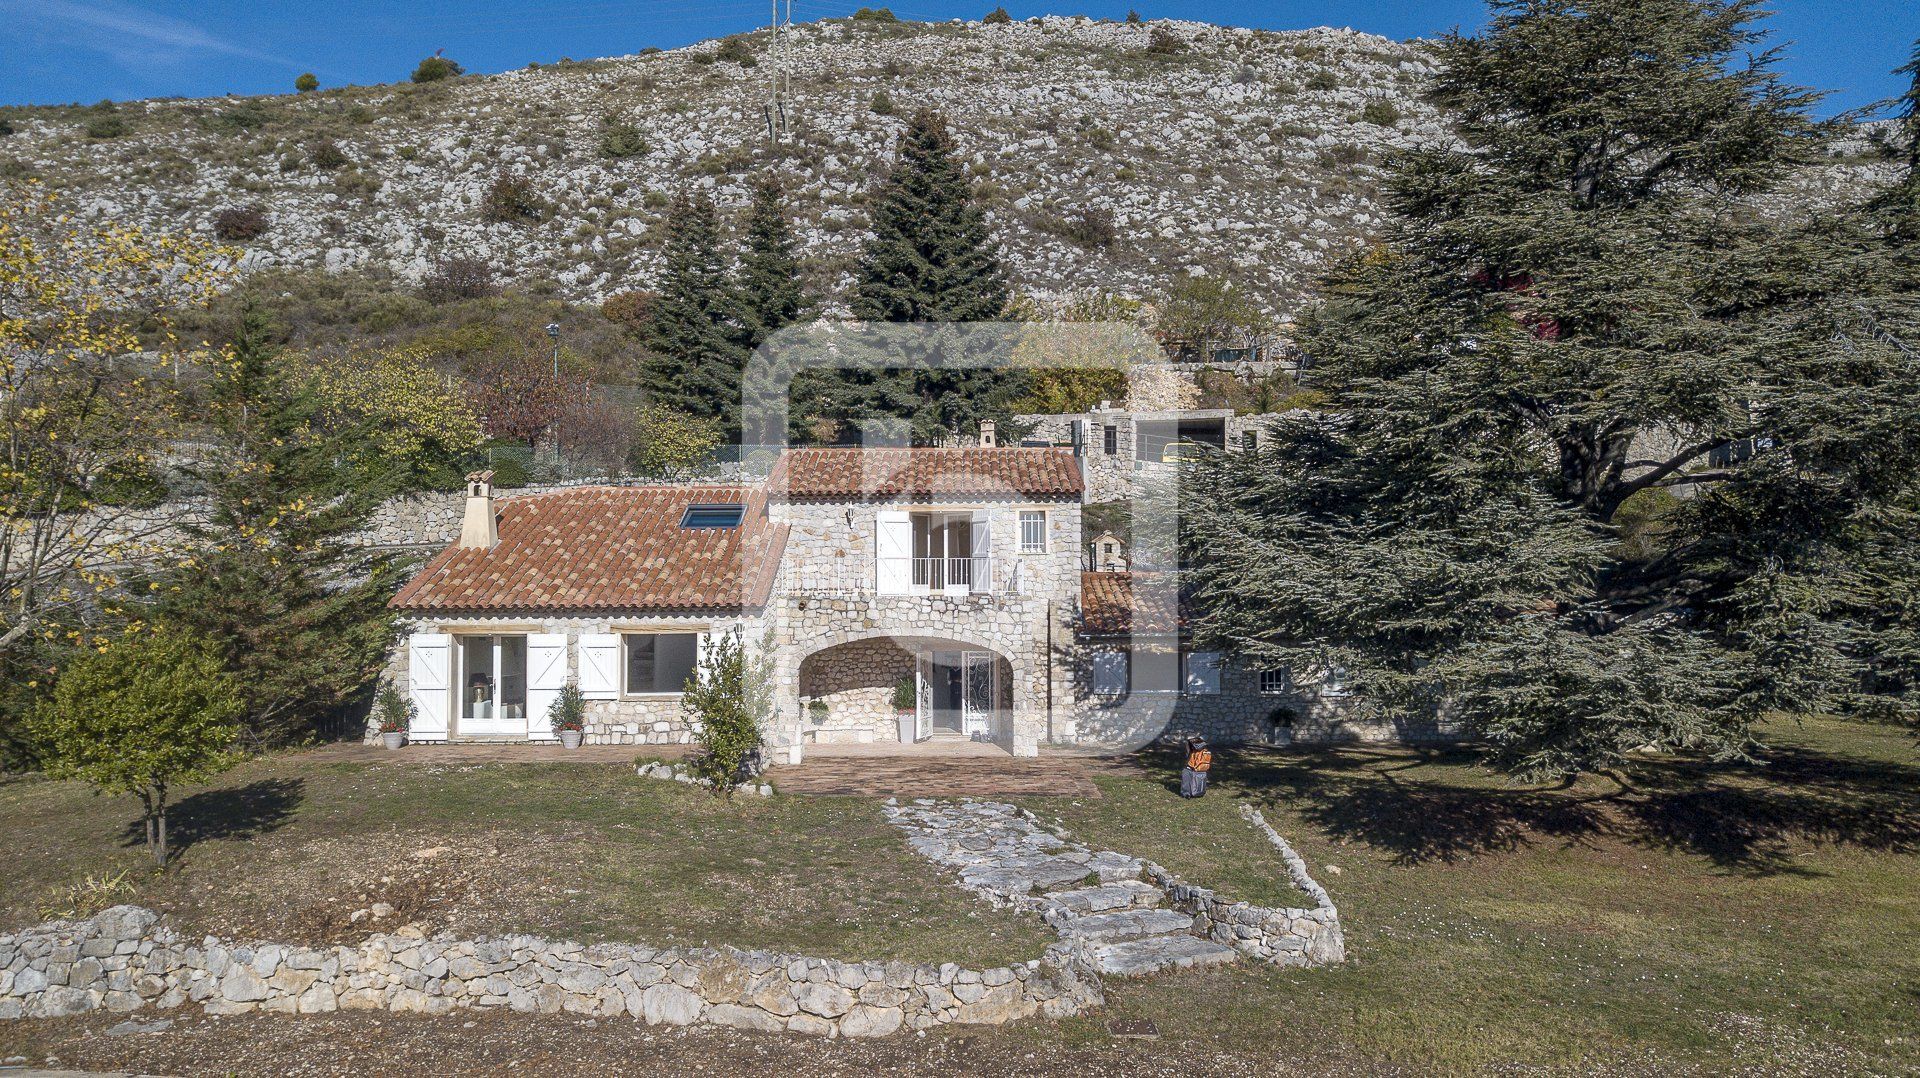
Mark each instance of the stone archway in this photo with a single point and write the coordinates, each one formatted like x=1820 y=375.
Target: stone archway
x=847 y=691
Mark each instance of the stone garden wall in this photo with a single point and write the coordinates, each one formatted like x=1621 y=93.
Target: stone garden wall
x=124 y=960
x=1283 y=936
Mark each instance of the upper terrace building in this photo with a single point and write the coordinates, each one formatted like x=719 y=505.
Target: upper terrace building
x=902 y=594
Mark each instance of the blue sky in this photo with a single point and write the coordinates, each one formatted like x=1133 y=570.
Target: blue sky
x=55 y=51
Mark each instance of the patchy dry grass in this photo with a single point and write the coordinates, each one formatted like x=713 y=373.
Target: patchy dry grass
x=1701 y=919
x=287 y=848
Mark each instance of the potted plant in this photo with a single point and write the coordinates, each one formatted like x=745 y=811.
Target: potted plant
x=817 y=711
x=905 y=708
x=569 y=715
x=394 y=713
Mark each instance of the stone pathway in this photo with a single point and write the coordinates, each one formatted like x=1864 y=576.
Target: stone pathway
x=1098 y=898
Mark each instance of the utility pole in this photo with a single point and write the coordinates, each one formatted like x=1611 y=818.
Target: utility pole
x=779 y=81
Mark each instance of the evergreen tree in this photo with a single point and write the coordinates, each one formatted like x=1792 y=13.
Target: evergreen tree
x=296 y=610
x=770 y=291
x=1577 y=322
x=930 y=258
x=697 y=325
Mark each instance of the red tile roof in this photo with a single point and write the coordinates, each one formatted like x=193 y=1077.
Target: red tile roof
x=871 y=474
x=1109 y=605
x=607 y=549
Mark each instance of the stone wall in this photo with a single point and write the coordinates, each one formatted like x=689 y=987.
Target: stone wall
x=856 y=683
x=1284 y=936
x=125 y=960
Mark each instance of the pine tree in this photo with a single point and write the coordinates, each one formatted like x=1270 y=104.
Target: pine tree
x=930 y=258
x=296 y=609
x=697 y=326
x=770 y=287
x=1577 y=322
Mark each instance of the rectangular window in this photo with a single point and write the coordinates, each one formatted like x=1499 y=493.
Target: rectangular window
x=1112 y=440
x=1110 y=672
x=713 y=516
x=493 y=677
x=1200 y=673
x=1274 y=681
x=1033 y=531
x=660 y=662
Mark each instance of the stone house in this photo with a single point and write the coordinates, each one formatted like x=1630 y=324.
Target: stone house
x=898 y=595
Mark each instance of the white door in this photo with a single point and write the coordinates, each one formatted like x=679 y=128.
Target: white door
x=429 y=673
x=546 y=676
x=979 y=693
x=922 y=700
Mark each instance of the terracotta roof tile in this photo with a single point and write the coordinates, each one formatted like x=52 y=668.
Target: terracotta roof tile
x=835 y=473
x=608 y=548
x=1108 y=605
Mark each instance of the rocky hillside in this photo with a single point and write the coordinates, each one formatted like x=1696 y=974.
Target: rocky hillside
x=1112 y=156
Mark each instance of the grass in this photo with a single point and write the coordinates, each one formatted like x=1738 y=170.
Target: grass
x=1703 y=918
x=287 y=848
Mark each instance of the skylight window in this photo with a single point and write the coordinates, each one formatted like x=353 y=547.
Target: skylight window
x=713 y=516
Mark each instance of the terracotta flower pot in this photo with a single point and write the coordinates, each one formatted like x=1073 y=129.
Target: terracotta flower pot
x=570 y=739
x=393 y=740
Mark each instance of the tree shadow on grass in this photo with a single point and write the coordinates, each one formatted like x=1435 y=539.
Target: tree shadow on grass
x=1424 y=806
x=231 y=812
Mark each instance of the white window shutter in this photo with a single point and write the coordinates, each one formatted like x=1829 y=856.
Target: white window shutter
x=600 y=666
x=982 y=575
x=429 y=678
x=1110 y=672
x=1203 y=673
x=893 y=552
x=546 y=676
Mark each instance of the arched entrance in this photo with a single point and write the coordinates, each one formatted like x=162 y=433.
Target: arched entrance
x=905 y=689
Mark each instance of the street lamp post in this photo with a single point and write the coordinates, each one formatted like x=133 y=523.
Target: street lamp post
x=553 y=331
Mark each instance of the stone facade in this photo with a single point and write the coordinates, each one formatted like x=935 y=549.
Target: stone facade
x=124 y=960
x=855 y=683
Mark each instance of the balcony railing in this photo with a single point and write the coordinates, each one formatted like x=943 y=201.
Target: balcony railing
x=913 y=576
x=944 y=574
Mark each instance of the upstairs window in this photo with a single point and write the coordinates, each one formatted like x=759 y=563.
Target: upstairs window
x=1033 y=531
x=1111 y=440
x=713 y=516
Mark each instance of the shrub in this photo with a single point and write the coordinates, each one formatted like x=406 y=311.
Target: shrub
x=89 y=896
x=874 y=14
x=511 y=199
x=997 y=17
x=237 y=224
x=652 y=50
x=630 y=309
x=1380 y=113
x=882 y=103
x=1323 y=81
x=1133 y=17
x=622 y=140
x=1164 y=42
x=1088 y=227
x=307 y=83
x=245 y=116
x=143 y=716
x=437 y=67
x=457 y=279
x=326 y=154
x=670 y=444
x=905 y=695
x=392 y=711
x=728 y=702
x=6 y=128
x=106 y=126
x=569 y=709
x=734 y=50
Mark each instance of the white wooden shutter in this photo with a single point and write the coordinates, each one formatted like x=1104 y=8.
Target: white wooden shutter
x=1110 y=672
x=429 y=675
x=893 y=552
x=982 y=528
x=600 y=666
x=546 y=676
x=1203 y=673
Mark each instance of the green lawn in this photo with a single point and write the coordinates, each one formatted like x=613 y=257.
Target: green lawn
x=1708 y=917
x=286 y=848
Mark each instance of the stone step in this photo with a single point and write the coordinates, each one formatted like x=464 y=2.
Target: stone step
x=1125 y=895
x=1137 y=958
x=1122 y=925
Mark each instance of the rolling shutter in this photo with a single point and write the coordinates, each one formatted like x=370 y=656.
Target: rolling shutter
x=429 y=675
x=600 y=666
x=546 y=676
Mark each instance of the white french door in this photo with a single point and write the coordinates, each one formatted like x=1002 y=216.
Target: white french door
x=493 y=685
x=958 y=692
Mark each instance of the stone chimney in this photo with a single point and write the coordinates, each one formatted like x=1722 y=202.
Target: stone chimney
x=478 y=529
x=986 y=433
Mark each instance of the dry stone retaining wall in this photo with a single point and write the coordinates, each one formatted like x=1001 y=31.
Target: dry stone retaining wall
x=124 y=960
x=1284 y=936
